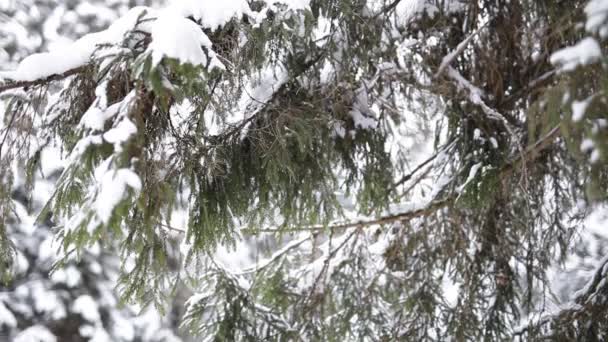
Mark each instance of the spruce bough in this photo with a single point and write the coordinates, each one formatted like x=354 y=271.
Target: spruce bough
x=416 y=172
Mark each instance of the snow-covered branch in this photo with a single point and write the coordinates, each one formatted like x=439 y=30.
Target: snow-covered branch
x=8 y=85
x=447 y=59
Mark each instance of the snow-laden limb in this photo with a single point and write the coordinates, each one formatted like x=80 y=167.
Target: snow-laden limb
x=166 y=33
x=170 y=34
x=4 y=86
x=57 y=62
x=447 y=59
x=431 y=204
x=476 y=95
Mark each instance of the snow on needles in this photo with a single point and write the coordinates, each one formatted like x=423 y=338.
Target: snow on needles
x=587 y=50
x=211 y=13
x=173 y=36
x=584 y=52
x=113 y=188
x=176 y=37
x=59 y=61
x=215 y=13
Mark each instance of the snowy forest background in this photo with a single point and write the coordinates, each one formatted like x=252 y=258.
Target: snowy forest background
x=407 y=230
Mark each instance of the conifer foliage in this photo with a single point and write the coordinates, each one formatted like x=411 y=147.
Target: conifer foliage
x=399 y=169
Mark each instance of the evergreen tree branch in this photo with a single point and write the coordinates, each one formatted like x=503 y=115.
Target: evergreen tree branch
x=535 y=83
x=284 y=250
x=476 y=96
x=447 y=59
x=585 y=301
x=56 y=77
x=422 y=165
x=529 y=155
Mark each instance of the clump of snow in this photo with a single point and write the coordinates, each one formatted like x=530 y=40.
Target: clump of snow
x=494 y=142
x=21 y=264
x=211 y=13
x=46 y=302
x=362 y=115
x=95 y=117
x=42 y=65
x=110 y=189
x=338 y=129
x=582 y=53
x=120 y=134
x=82 y=145
x=595 y=156
x=477 y=134
x=408 y=10
x=293 y=4
x=113 y=188
x=175 y=36
x=597 y=17
x=36 y=333
x=69 y=276
x=85 y=306
x=472 y=173
x=587 y=145
x=6 y=317
x=579 y=108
